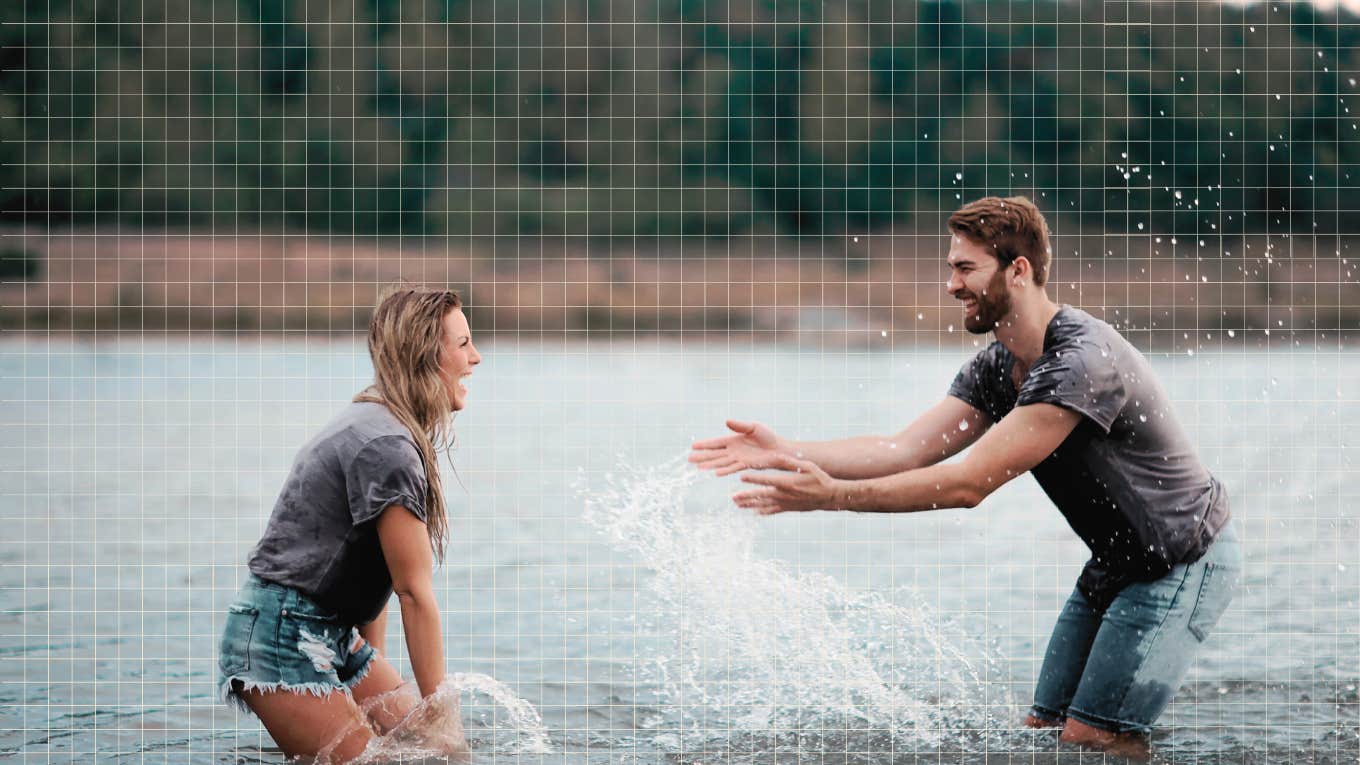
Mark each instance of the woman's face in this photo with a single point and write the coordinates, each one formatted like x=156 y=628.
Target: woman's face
x=457 y=357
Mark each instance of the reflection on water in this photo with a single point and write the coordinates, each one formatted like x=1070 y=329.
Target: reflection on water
x=631 y=608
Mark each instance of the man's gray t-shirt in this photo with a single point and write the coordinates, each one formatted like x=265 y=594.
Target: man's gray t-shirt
x=322 y=538
x=1127 y=479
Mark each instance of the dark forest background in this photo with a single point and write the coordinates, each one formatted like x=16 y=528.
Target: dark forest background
x=676 y=118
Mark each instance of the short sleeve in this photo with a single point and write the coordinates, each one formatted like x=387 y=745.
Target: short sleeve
x=965 y=386
x=1081 y=375
x=387 y=471
x=983 y=382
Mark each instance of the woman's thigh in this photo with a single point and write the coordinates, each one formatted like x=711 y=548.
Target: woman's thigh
x=303 y=724
x=389 y=704
x=382 y=695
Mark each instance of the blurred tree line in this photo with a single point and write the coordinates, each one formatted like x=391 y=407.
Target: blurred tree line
x=614 y=118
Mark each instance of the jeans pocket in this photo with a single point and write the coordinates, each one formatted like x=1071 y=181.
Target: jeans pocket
x=234 y=653
x=1215 y=593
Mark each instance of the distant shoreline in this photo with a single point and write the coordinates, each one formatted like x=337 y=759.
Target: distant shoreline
x=873 y=290
x=1347 y=341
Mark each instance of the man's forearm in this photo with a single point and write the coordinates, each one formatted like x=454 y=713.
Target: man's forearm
x=860 y=457
x=931 y=488
x=420 y=621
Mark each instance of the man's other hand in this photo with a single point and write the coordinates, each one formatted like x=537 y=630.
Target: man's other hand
x=796 y=486
x=749 y=443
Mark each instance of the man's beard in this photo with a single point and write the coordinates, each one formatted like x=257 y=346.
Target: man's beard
x=992 y=307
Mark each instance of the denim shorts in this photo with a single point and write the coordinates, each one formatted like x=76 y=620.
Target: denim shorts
x=1117 y=670
x=275 y=638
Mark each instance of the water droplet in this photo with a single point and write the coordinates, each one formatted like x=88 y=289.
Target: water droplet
x=963 y=424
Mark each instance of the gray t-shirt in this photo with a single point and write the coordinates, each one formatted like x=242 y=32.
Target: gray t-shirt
x=1127 y=479
x=322 y=538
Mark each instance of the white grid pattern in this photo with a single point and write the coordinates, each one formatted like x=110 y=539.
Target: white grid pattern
x=171 y=174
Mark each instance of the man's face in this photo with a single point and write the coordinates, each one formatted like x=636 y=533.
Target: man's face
x=977 y=278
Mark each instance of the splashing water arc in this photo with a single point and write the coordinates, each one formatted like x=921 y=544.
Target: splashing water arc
x=434 y=727
x=772 y=647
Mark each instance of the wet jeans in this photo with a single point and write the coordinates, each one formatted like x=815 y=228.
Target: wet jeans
x=1117 y=670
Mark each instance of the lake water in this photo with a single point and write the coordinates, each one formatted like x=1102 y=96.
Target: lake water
x=621 y=596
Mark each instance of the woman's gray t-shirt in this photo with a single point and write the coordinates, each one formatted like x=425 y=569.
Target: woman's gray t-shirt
x=322 y=538
x=1127 y=479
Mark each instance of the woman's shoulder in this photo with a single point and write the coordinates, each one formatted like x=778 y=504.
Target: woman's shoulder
x=363 y=425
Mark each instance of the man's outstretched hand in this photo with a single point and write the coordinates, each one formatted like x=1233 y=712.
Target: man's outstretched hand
x=749 y=442
x=795 y=485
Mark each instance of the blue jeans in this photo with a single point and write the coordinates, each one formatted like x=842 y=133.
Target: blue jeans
x=1117 y=670
x=275 y=638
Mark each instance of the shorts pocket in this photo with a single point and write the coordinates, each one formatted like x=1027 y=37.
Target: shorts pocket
x=315 y=637
x=1215 y=593
x=234 y=653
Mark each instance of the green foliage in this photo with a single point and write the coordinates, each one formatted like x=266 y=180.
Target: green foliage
x=676 y=118
x=18 y=264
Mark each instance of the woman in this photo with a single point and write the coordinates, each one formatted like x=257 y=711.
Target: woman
x=360 y=516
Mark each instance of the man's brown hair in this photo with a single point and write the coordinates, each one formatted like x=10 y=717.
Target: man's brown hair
x=1011 y=227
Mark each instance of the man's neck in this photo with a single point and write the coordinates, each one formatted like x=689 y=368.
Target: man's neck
x=1022 y=330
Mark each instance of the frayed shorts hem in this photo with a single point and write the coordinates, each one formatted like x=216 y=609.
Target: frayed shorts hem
x=230 y=693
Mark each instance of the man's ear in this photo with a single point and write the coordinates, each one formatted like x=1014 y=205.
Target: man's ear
x=1023 y=269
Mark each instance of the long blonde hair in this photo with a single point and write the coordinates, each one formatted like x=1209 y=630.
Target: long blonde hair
x=404 y=342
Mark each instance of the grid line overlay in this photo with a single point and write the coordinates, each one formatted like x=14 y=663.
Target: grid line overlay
x=661 y=215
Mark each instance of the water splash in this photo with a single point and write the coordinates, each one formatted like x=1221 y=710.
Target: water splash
x=432 y=728
x=758 y=647
x=520 y=717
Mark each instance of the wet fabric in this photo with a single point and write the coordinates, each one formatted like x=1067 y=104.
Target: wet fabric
x=1116 y=669
x=275 y=638
x=1127 y=479
x=321 y=538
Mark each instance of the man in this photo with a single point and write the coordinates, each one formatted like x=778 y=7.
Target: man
x=1063 y=395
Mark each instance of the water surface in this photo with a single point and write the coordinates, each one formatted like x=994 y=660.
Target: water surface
x=620 y=595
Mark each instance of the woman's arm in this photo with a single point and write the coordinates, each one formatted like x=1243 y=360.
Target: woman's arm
x=406 y=546
x=375 y=632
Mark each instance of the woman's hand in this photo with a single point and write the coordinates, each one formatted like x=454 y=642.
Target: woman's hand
x=799 y=485
x=750 y=443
